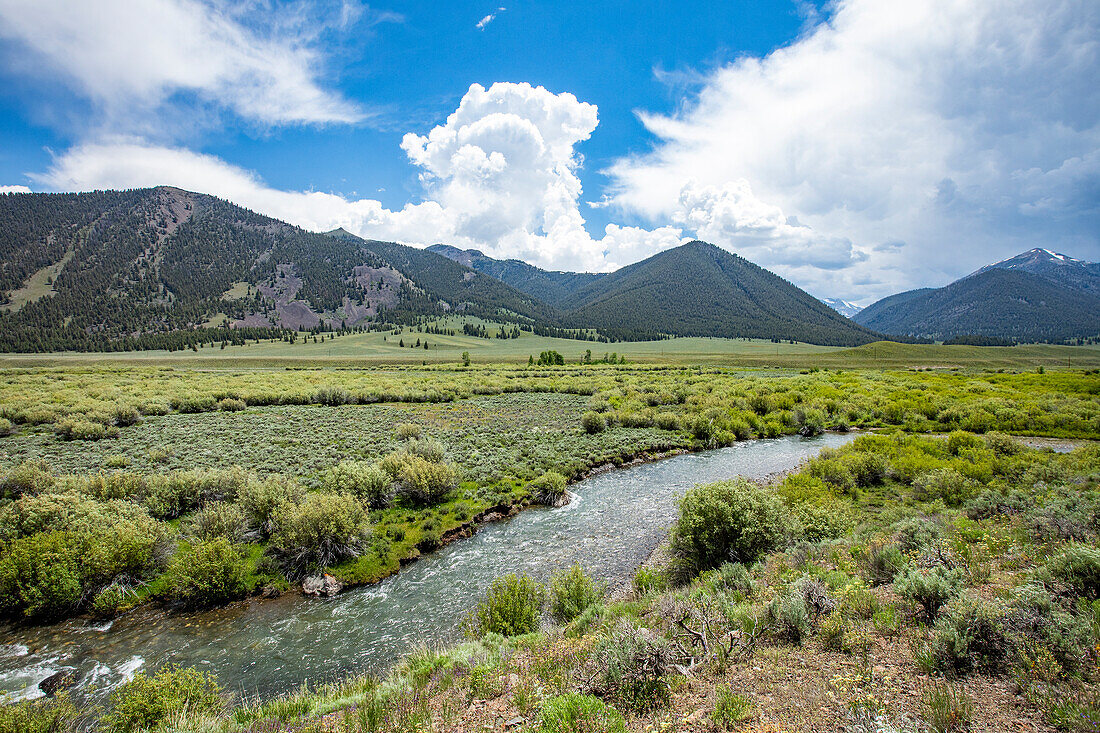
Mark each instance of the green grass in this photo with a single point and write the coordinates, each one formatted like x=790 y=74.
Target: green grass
x=38 y=285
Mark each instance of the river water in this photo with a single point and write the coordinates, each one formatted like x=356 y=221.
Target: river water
x=267 y=647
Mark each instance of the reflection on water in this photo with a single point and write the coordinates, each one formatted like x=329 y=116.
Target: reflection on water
x=268 y=647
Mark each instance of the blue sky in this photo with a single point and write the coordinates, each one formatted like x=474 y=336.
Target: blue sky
x=857 y=148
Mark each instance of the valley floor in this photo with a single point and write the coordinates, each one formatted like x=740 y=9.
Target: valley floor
x=882 y=585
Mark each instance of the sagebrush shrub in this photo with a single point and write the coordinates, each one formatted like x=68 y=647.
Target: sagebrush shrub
x=971 y=635
x=1078 y=567
x=928 y=591
x=633 y=664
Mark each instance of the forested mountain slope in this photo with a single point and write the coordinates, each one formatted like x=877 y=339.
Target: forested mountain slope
x=549 y=286
x=1004 y=303
x=145 y=268
x=1062 y=269
x=698 y=289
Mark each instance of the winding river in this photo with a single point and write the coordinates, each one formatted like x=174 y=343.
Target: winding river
x=266 y=647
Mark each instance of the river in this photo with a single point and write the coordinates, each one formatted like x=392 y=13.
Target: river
x=262 y=648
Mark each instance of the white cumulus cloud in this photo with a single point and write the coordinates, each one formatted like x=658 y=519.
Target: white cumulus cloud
x=14 y=189
x=499 y=175
x=918 y=140
x=133 y=57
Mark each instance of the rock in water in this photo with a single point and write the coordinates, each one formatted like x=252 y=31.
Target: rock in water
x=57 y=682
x=321 y=585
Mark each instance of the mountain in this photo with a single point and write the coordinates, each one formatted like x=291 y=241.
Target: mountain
x=167 y=268
x=146 y=268
x=698 y=289
x=1005 y=303
x=550 y=286
x=845 y=308
x=1064 y=270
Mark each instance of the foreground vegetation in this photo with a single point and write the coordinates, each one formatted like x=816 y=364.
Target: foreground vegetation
x=196 y=488
x=902 y=583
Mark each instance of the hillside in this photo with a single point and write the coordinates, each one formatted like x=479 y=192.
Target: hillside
x=550 y=286
x=698 y=289
x=166 y=268
x=1004 y=303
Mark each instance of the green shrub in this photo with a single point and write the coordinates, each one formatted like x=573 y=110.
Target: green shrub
x=319 y=531
x=72 y=428
x=423 y=482
x=332 y=396
x=1078 y=567
x=407 y=430
x=825 y=518
x=41 y=576
x=56 y=715
x=6 y=427
x=230 y=404
x=220 y=519
x=811 y=422
x=730 y=708
x=971 y=635
x=126 y=415
x=867 y=469
x=110 y=600
x=28 y=477
x=632 y=667
x=577 y=713
x=927 y=592
x=1001 y=444
x=788 y=618
x=945 y=484
x=260 y=499
x=960 y=440
x=593 y=422
x=734 y=520
x=571 y=593
x=512 y=606
x=366 y=481
x=667 y=421
x=206 y=574
x=884 y=562
x=64 y=546
x=148 y=702
x=193 y=404
x=548 y=488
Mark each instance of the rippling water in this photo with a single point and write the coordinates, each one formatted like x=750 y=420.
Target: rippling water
x=267 y=647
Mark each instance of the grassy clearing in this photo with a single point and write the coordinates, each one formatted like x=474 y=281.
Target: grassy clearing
x=384 y=348
x=39 y=285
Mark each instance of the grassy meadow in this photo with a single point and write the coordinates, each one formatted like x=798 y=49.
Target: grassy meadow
x=191 y=480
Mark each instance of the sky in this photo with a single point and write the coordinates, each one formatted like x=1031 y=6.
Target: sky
x=855 y=147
